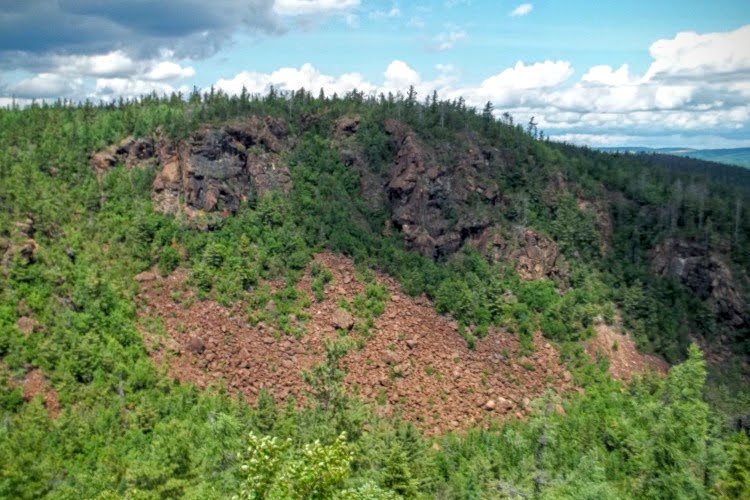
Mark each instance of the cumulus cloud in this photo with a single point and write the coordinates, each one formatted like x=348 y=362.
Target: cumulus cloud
x=112 y=64
x=47 y=85
x=400 y=75
x=697 y=85
x=286 y=79
x=102 y=76
x=606 y=76
x=168 y=70
x=610 y=103
x=110 y=88
x=123 y=29
x=537 y=75
x=522 y=10
x=397 y=78
x=690 y=55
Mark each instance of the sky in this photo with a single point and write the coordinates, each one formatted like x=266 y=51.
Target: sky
x=656 y=73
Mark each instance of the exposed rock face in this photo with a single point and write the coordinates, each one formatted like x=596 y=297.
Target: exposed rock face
x=535 y=256
x=706 y=275
x=130 y=151
x=434 y=205
x=216 y=169
x=346 y=126
x=211 y=173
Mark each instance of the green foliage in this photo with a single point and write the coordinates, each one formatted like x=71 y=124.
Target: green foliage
x=735 y=479
x=321 y=277
x=276 y=470
x=168 y=260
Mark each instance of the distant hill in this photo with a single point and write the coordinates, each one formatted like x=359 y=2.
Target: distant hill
x=737 y=156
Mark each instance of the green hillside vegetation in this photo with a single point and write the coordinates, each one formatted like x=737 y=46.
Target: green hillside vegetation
x=739 y=157
x=126 y=429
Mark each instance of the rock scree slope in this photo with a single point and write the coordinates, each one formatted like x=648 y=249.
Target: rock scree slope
x=414 y=362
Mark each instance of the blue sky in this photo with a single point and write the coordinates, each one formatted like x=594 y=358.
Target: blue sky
x=653 y=73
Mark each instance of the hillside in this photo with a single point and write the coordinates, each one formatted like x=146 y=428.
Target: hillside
x=440 y=286
x=739 y=157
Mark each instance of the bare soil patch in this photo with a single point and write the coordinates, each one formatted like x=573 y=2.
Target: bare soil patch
x=623 y=355
x=414 y=362
x=35 y=383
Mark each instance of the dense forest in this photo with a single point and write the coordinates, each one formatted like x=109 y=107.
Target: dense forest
x=500 y=228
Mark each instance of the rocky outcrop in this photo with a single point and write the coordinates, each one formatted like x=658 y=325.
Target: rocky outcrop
x=210 y=174
x=707 y=276
x=216 y=169
x=534 y=255
x=436 y=206
x=346 y=126
x=129 y=151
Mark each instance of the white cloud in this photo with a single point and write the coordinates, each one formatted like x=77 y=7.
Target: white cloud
x=47 y=85
x=293 y=79
x=690 y=55
x=653 y=141
x=605 y=106
x=112 y=64
x=111 y=88
x=604 y=75
x=103 y=76
x=311 y=7
x=535 y=76
x=399 y=76
x=447 y=40
x=697 y=84
x=168 y=70
x=522 y=10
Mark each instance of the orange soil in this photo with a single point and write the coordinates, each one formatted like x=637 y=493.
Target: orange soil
x=624 y=358
x=414 y=363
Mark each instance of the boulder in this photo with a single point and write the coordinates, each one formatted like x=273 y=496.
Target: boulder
x=342 y=319
x=346 y=126
x=196 y=345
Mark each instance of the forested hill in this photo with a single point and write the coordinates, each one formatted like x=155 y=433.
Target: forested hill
x=119 y=223
x=739 y=157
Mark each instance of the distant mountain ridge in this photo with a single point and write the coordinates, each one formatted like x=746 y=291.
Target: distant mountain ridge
x=736 y=156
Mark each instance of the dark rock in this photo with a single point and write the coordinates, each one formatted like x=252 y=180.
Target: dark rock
x=196 y=345
x=707 y=275
x=434 y=206
x=211 y=174
x=347 y=125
